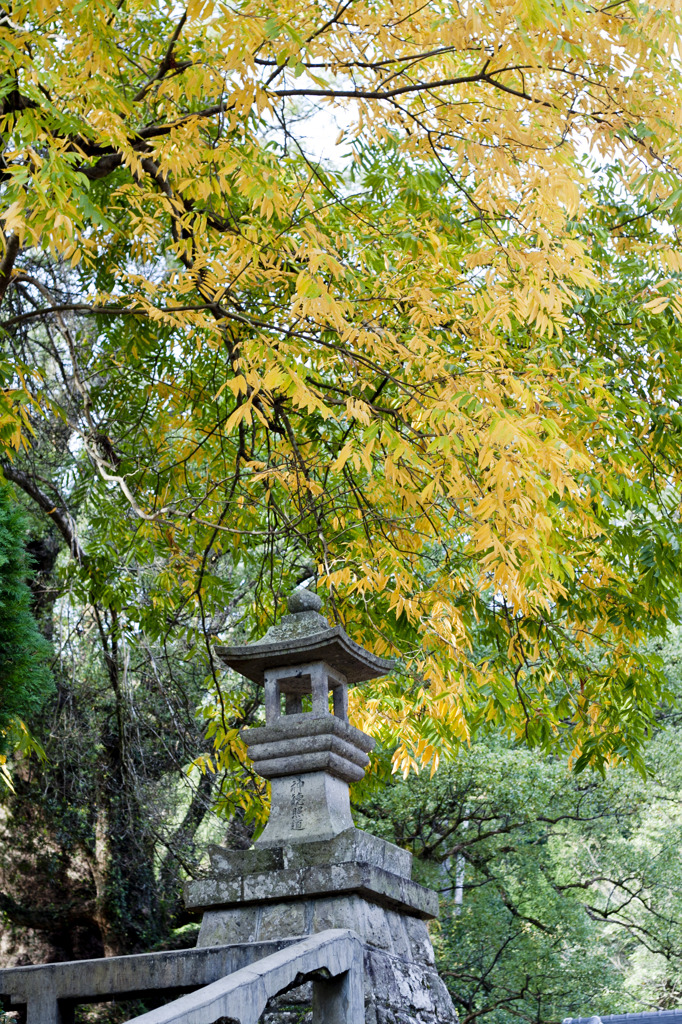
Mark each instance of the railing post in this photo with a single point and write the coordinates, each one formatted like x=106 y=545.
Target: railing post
x=341 y=1000
x=44 y=1008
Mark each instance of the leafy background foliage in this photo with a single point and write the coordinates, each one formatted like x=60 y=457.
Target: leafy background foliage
x=386 y=363
x=435 y=369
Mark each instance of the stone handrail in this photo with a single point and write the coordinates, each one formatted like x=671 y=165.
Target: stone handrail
x=332 y=959
x=241 y=977
x=50 y=991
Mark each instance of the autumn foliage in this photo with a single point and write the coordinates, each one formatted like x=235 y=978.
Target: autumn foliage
x=441 y=364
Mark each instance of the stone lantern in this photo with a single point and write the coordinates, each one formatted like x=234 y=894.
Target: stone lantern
x=311 y=869
x=309 y=755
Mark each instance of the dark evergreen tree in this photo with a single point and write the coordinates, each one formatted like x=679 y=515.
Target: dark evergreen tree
x=25 y=677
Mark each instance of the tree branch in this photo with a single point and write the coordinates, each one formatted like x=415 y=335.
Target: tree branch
x=61 y=518
x=7 y=263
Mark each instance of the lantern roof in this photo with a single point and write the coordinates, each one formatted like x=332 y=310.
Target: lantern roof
x=301 y=637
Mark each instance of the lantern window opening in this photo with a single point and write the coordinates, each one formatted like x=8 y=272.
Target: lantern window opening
x=287 y=688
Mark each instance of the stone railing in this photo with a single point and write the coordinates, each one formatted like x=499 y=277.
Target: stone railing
x=332 y=960
x=232 y=981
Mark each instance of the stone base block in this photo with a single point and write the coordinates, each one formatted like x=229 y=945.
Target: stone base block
x=352 y=881
x=372 y=883
x=399 y=991
x=351 y=846
x=352 y=862
x=398 y=934
x=396 y=992
x=402 y=985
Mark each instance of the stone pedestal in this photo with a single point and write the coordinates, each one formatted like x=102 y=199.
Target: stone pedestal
x=311 y=869
x=352 y=881
x=309 y=762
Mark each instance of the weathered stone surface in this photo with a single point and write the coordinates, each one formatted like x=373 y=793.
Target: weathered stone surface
x=389 y=930
x=370 y=919
x=283 y=919
x=303 y=743
x=304 y=635
x=272 y=759
x=351 y=845
x=314 y=806
x=230 y=863
x=303 y=600
x=398 y=991
x=308 y=637
x=126 y=977
x=334 y=959
x=395 y=993
x=242 y=923
x=419 y=940
x=305 y=725
x=315 y=678
x=376 y=884
x=338 y=767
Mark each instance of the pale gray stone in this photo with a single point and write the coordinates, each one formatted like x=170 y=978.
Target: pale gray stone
x=217 y=926
x=270 y=759
x=314 y=805
x=398 y=991
x=304 y=636
x=295 y=726
x=421 y=950
x=375 y=884
x=352 y=845
x=398 y=932
x=335 y=765
x=376 y=925
x=304 y=600
x=308 y=743
x=333 y=957
x=368 y=920
x=300 y=743
x=40 y=987
x=234 y=863
x=283 y=919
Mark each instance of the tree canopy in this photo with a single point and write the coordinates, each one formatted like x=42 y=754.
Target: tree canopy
x=439 y=366
x=558 y=891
